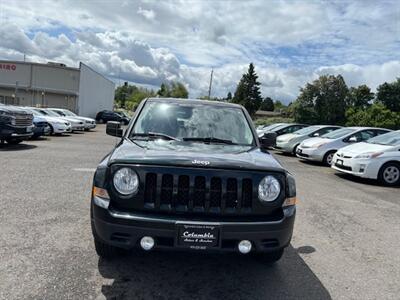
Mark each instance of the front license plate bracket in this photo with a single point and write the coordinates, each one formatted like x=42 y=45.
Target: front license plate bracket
x=198 y=236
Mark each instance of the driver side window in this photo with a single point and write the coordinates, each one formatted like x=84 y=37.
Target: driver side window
x=323 y=131
x=360 y=136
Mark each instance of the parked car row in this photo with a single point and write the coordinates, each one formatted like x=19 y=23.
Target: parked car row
x=366 y=152
x=22 y=123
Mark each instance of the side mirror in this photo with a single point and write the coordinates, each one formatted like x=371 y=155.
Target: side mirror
x=268 y=140
x=353 y=139
x=114 y=129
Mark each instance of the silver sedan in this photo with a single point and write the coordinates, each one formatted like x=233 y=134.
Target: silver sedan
x=322 y=149
x=288 y=143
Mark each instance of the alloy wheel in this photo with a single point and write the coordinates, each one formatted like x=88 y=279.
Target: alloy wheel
x=391 y=174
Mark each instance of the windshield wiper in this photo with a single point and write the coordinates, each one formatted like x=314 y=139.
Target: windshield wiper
x=209 y=140
x=156 y=135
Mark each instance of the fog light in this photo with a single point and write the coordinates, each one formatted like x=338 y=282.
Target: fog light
x=147 y=243
x=244 y=246
x=362 y=168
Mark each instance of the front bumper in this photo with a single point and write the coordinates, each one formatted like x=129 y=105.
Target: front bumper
x=15 y=132
x=284 y=147
x=61 y=128
x=124 y=230
x=42 y=130
x=78 y=127
x=364 y=168
x=312 y=154
x=90 y=125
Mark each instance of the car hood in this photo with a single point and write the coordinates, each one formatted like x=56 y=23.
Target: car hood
x=85 y=119
x=13 y=110
x=194 y=155
x=359 y=148
x=39 y=119
x=314 y=141
x=287 y=137
x=53 y=119
x=71 y=119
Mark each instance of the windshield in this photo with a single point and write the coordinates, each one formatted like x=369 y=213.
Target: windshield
x=307 y=130
x=194 y=122
x=34 y=112
x=51 y=113
x=338 y=133
x=68 y=113
x=276 y=128
x=388 y=139
x=272 y=126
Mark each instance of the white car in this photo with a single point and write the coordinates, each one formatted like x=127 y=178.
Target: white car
x=88 y=122
x=264 y=128
x=57 y=125
x=289 y=142
x=322 y=149
x=376 y=158
x=76 y=125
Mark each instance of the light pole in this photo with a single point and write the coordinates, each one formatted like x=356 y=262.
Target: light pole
x=16 y=92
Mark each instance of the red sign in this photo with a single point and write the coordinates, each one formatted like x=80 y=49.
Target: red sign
x=9 y=67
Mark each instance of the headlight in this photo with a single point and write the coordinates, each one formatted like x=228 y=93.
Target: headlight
x=268 y=189
x=369 y=155
x=319 y=145
x=126 y=181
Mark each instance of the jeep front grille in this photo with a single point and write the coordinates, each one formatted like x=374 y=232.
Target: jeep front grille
x=23 y=120
x=201 y=194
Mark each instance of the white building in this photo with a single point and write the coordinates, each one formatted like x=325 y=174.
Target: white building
x=81 y=90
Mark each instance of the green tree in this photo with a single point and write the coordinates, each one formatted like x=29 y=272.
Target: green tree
x=164 y=90
x=376 y=115
x=389 y=95
x=360 y=96
x=229 y=97
x=267 y=104
x=178 y=90
x=122 y=93
x=173 y=89
x=137 y=96
x=248 y=91
x=278 y=105
x=322 y=101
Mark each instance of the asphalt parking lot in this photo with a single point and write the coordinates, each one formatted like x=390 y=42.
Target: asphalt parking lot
x=345 y=246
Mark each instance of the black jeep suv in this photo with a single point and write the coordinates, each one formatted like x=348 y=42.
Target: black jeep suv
x=105 y=116
x=15 y=124
x=192 y=174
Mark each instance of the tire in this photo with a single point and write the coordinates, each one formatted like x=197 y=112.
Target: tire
x=389 y=174
x=295 y=149
x=270 y=257
x=101 y=121
x=103 y=250
x=328 y=158
x=14 y=142
x=51 y=130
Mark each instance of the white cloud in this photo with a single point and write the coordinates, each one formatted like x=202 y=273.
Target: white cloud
x=149 y=14
x=147 y=42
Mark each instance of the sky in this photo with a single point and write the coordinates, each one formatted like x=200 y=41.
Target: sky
x=150 y=42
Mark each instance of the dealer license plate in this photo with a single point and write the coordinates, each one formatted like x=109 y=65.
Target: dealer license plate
x=198 y=236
